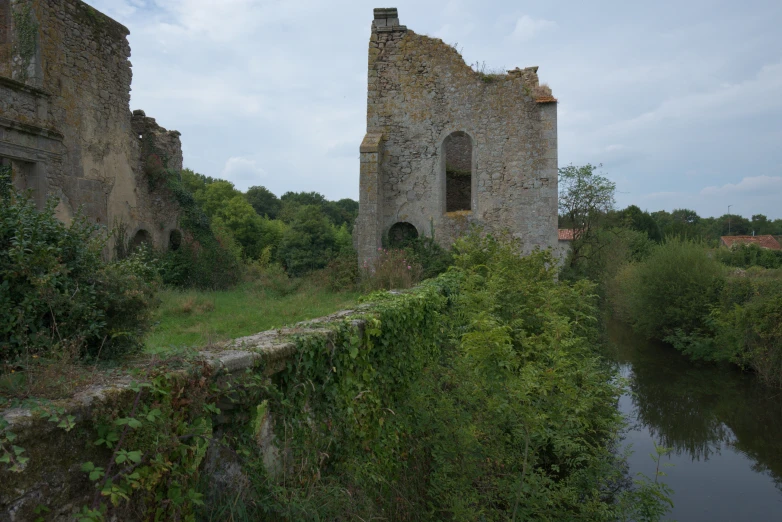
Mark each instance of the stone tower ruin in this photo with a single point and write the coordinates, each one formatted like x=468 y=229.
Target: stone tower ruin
x=447 y=146
x=66 y=128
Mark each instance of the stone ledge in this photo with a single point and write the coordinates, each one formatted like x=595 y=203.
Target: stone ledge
x=23 y=87
x=28 y=128
x=271 y=348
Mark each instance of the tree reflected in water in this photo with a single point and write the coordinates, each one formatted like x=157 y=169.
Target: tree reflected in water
x=699 y=408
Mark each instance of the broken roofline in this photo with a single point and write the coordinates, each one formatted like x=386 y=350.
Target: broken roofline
x=386 y=19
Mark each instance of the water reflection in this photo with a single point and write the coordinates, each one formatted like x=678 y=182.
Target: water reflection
x=708 y=414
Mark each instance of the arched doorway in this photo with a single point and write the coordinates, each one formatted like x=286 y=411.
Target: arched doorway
x=142 y=237
x=401 y=233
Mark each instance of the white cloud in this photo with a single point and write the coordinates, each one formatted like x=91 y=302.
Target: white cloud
x=765 y=185
x=528 y=28
x=242 y=172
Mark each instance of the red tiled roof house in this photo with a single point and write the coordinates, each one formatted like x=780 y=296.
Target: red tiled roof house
x=765 y=241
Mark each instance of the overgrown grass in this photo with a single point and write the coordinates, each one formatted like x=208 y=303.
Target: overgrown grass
x=189 y=318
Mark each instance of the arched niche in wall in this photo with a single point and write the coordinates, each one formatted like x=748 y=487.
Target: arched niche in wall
x=458 y=153
x=142 y=237
x=401 y=233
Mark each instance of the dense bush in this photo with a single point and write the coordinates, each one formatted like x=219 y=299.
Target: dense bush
x=476 y=396
x=391 y=269
x=673 y=289
x=209 y=256
x=55 y=289
x=751 y=334
x=602 y=258
x=683 y=296
x=745 y=256
x=309 y=242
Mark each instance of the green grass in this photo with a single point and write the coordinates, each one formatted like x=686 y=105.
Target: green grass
x=191 y=318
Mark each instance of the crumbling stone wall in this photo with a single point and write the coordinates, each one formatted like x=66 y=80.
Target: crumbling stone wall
x=65 y=121
x=422 y=97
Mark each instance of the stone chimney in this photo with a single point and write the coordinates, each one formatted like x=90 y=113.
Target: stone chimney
x=387 y=20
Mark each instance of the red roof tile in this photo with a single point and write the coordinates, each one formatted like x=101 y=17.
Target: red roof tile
x=766 y=241
x=565 y=234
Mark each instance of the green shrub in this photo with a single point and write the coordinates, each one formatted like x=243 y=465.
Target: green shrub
x=752 y=336
x=673 y=289
x=309 y=243
x=391 y=269
x=474 y=396
x=55 y=289
x=209 y=257
x=745 y=256
x=342 y=274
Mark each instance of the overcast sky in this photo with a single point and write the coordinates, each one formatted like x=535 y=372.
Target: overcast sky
x=680 y=101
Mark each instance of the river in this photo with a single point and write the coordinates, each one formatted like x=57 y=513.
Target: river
x=725 y=429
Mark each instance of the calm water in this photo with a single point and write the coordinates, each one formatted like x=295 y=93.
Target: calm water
x=724 y=427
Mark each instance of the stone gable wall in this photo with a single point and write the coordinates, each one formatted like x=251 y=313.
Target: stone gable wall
x=76 y=84
x=420 y=91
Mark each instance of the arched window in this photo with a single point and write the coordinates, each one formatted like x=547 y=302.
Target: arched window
x=401 y=233
x=142 y=237
x=458 y=172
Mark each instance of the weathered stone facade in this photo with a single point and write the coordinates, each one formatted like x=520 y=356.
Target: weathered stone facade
x=447 y=146
x=65 y=122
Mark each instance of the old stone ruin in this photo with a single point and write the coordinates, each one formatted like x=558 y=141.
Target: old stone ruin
x=66 y=128
x=447 y=146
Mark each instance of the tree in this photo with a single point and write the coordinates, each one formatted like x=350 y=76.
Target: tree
x=309 y=243
x=193 y=181
x=584 y=200
x=263 y=201
x=215 y=196
x=636 y=219
x=292 y=201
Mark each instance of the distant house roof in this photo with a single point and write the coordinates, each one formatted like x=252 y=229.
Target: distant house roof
x=565 y=234
x=766 y=241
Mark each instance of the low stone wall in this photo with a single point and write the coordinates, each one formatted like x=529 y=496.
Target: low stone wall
x=53 y=476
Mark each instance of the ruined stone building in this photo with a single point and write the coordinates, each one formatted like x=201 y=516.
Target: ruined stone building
x=447 y=146
x=65 y=124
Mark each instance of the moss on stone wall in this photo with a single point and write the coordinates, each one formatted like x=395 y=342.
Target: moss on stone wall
x=25 y=37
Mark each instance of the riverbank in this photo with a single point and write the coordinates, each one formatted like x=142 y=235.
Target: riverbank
x=681 y=294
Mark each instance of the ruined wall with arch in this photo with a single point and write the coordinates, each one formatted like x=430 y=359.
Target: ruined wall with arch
x=503 y=143
x=65 y=123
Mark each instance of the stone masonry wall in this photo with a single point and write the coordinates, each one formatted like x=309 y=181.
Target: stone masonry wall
x=64 y=109
x=458 y=153
x=420 y=91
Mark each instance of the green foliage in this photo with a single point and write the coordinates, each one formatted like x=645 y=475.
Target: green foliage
x=56 y=290
x=25 y=36
x=391 y=270
x=584 y=199
x=636 y=219
x=308 y=243
x=205 y=259
x=603 y=257
x=745 y=256
x=674 y=288
x=681 y=294
x=263 y=201
x=156 y=445
x=498 y=408
x=342 y=274
x=747 y=328
x=424 y=251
